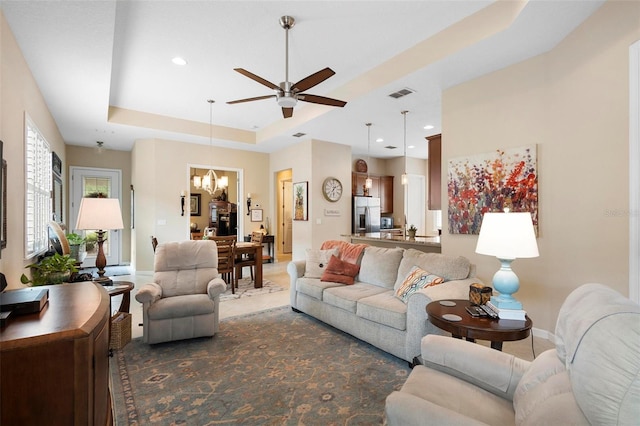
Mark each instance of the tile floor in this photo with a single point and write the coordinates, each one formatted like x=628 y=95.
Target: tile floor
x=277 y=272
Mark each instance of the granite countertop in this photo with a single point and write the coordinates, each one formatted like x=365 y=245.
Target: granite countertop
x=387 y=236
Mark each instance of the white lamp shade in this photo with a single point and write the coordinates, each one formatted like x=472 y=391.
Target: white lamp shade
x=507 y=236
x=224 y=181
x=99 y=213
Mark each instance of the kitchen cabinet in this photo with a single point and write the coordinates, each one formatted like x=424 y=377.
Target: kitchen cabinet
x=382 y=187
x=435 y=172
x=386 y=194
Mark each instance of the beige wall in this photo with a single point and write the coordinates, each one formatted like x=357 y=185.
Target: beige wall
x=19 y=94
x=573 y=102
x=109 y=159
x=161 y=170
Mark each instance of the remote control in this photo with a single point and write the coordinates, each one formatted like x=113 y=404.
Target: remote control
x=489 y=311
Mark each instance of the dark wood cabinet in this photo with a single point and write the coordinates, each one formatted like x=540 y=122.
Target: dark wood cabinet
x=435 y=172
x=386 y=194
x=382 y=187
x=54 y=365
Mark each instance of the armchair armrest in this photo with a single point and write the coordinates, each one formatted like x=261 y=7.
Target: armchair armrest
x=216 y=287
x=492 y=370
x=149 y=293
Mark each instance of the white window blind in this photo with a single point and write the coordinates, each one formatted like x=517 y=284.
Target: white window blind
x=38 y=191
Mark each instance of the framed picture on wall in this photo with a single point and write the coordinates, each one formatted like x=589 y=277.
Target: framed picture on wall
x=256 y=215
x=195 y=204
x=300 y=200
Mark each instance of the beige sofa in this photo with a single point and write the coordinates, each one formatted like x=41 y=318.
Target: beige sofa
x=591 y=377
x=369 y=309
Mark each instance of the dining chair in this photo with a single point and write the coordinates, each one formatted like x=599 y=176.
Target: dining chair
x=154 y=243
x=249 y=259
x=226 y=259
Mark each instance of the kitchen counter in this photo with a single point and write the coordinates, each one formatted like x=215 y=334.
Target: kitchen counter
x=428 y=244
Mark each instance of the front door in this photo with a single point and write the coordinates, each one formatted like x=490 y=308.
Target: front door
x=89 y=182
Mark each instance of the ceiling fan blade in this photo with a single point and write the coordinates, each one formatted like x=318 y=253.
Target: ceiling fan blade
x=313 y=80
x=314 y=99
x=259 y=79
x=287 y=112
x=257 y=98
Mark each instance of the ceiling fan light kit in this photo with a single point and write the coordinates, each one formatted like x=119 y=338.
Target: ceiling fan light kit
x=287 y=95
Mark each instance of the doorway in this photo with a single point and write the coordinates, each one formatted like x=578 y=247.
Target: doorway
x=92 y=182
x=284 y=215
x=227 y=185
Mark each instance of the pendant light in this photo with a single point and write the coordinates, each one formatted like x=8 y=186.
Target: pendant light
x=404 y=178
x=368 y=183
x=209 y=181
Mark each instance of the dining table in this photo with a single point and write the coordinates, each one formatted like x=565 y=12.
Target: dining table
x=254 y=250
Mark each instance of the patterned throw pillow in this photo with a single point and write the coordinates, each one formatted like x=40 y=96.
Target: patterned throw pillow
x=339 y=271
x=416 y=279
x=317 y=261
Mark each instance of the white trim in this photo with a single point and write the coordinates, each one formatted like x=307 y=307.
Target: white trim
x=634 y=172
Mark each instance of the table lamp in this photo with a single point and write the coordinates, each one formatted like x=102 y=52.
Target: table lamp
x=101 y=215
x=507 y=236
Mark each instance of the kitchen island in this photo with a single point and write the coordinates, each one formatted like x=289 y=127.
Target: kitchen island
x=428 y=244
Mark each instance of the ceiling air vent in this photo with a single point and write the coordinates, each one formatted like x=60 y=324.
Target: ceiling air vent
x=390 y=147
x=298 y=135
x=400 y=93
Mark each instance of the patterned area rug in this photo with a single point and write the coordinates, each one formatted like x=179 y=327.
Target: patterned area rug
x=275 y=367
x=246 y=289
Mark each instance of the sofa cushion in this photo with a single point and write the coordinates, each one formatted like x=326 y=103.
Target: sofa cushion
x=340 y=271
x=346 y=297
x=384 y=308
x=379 y=266
x=181 y=306
x=445 y=266
x=313 y=287
x=416 y=279
x=317 y=261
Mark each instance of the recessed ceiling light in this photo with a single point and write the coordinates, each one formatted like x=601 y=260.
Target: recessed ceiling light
x=428 y=127
x=379 y=140
x=179 y=61
x=411 y=146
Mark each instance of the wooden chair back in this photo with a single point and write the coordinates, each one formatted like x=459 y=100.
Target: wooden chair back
x=226 y=258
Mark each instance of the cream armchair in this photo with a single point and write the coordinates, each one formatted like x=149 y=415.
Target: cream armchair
x=183 y=301
x=590 y=378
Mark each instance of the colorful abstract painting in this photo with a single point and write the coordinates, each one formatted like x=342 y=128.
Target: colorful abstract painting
x=489 y=183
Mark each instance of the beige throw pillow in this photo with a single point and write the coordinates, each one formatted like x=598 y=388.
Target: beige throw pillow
x=317 y=261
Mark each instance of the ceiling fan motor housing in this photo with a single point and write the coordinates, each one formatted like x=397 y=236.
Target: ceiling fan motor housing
x=285 y=96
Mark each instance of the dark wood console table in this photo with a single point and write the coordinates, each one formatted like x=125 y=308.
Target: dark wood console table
x=54 y=366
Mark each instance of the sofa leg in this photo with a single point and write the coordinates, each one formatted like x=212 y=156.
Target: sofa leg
x=296 y=310
x=416 y=361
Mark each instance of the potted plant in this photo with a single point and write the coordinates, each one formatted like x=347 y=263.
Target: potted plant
x=54 y=269
x=411 y=232
x=77 y=246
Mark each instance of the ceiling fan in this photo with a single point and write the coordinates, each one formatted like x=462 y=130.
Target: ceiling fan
x=287 y=94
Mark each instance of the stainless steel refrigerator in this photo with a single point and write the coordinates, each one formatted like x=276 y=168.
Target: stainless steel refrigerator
x=366 y=215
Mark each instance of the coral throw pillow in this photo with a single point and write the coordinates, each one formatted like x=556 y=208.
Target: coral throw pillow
x=416 y=279
x=339 y=271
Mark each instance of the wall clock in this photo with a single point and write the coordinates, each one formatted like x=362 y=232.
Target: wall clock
x=332 y=189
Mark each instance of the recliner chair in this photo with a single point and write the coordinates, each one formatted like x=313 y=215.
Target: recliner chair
x=183 y=300
x=590 y=378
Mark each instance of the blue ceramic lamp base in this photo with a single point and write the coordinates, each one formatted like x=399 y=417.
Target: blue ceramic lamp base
x=505 y=282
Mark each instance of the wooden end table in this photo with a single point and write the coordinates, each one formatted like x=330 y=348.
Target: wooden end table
x=471 y=328
x=124 y=288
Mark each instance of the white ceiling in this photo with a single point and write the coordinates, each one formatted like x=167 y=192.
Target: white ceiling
x=89 y=55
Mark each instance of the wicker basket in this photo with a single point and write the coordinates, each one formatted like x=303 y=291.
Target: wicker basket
x=120 y=330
